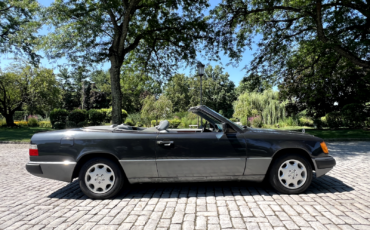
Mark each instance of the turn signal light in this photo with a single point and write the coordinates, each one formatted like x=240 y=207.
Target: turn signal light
x=324 y=147
x=33 y=150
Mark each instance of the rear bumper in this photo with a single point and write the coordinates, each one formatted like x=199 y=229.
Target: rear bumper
x=52 y=170
x=323 y=165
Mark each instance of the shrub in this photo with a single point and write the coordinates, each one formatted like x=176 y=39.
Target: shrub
x=129 y=122
x=45 y=124
x=174 y=123
x=59 y=125
x=71 y=124
x=154 y=123
x=334 y=119
x=58 y=115
x=233 y=119
x=95 y=116
x=244 y=121
x=82 y=124
x=139 y=124
x=19 y=115
x=108 y=114
x=305 y=121
x=32 y=122
x=2 y=122
x=354 y=115
x=256 y=121
x=77 y=116
x=324 y=122
x=21 y=123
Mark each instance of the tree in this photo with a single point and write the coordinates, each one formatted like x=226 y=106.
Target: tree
x=319 y=81
x=266 y=104
x=342 y=26
x=155 y=34
x=156 y=108
x=177 y=89
x=218 y=92
x=31 y=88
x=18 y=28
x=253 y=83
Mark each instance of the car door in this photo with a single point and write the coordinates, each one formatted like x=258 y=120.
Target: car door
x=207 y=154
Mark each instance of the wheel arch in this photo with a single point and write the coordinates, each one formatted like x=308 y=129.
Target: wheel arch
x=299 y=151
x=82 y=159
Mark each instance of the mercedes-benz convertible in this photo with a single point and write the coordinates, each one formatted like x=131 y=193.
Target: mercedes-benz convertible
x=106 y=158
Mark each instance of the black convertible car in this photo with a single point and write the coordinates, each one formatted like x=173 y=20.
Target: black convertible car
x=102 y=157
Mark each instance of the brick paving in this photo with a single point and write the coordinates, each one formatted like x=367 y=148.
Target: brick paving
x=339 y=200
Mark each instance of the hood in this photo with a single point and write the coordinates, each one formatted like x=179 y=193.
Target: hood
x=275 y=131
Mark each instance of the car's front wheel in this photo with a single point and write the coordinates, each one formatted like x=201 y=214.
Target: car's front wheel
x=101 y=178
x=291 y=174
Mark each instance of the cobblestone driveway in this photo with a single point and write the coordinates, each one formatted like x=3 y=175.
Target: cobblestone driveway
x=339 y=200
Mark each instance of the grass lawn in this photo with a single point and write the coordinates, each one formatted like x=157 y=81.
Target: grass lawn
x=19 y=134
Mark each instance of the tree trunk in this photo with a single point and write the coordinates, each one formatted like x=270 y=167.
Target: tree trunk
x=9 y=119
x=116 y=93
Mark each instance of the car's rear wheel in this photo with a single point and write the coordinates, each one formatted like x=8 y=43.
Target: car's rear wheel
x=101 y=178
x=291 y=174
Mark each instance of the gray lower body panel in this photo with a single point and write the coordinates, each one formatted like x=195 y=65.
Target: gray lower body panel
x=52 y=170
x=202 y=167
x=139 y=168
x=257 y=165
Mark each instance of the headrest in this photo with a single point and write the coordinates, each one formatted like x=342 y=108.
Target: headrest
x=163 y=125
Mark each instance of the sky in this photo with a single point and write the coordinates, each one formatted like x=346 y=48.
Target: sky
x=236 y=73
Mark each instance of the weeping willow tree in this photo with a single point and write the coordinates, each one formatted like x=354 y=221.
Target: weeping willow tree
x=266 y=104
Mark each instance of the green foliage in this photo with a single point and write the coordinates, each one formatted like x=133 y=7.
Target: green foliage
x=256 y=122
x=156 y=109
x=174 y=123
x=355 y=115
x=2 y=122
x=77 y=116
x=32 y=122
x=334 y=119
x=305 y=121
x=71 y=124
x=59 y=125
x=139 y=124
x=154 y=123
x=19 y=115
x=285 y=25
x=108 y=114
x=253 y=83
x=233 y=119
x=244 y=121
x=177 y=89
x=95 y=116
x=58 y=115
x=266 y=104
x=129 y=122
x=18 y=27
x=218 y=92
x=82 y=124
x=45 y=124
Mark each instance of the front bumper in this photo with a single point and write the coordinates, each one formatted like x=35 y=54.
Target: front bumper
x=62 y=171
x=323 y=165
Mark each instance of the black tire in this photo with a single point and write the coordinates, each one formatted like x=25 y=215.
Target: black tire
x=274 y=174
x=119 y=178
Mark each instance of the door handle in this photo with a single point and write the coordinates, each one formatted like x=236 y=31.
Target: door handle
x=165 y=143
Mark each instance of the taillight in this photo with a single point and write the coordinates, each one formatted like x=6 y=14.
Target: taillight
x=33 y=150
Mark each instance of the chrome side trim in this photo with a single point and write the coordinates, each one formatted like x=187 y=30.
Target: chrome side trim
x=135 y=160
x=201 y=159
x=53 y=162
x=256 y=178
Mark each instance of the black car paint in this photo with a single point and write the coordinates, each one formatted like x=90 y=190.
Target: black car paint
x=244 y=154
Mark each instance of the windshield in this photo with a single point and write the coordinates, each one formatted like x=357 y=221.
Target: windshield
x=240 y=126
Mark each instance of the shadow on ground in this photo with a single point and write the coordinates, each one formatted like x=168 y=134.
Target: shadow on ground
x=324 y=184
